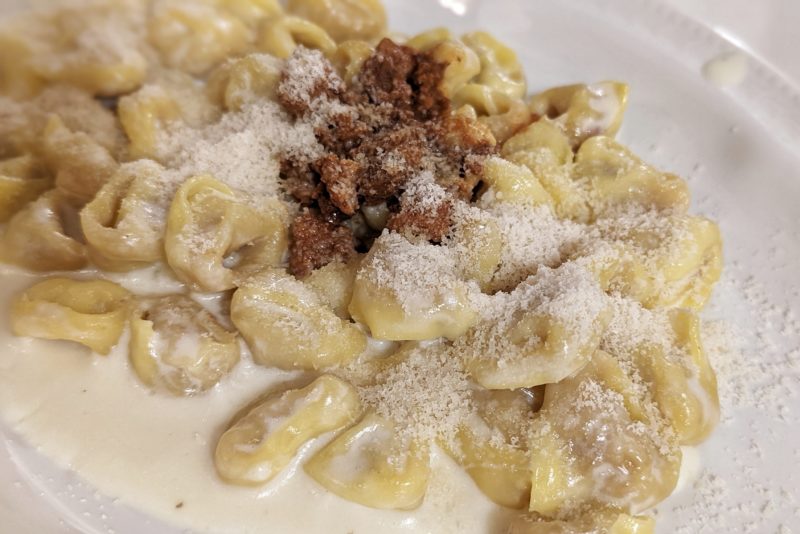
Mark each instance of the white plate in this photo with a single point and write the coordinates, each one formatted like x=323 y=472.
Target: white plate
x=738 y=148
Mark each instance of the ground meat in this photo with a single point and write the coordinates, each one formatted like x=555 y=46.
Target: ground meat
x=409 y=82
x=300 y=182
x=343 y=133
x=317 y=242
x=432 y=224
x=306 y=79
x=385 y=75
x=341 y=177
x=430 y=100
x=392 y=157
x=391 y=125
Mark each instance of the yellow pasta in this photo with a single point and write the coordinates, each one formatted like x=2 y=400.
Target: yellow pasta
x=75 y=50
x=545 y=151
x=81 y=166
x=509 y=182
x=18 y=79
x=480 y=247
x=249 y=79
x=674 y=262
x=509 y=116
x=91 y=312
x=22 y=179
x=148 y=114
x=23 y=123
x=124 y=224
x=537 y=349
x=430 y=38
x=349 y=57
x=251 y=12
x=500 y=68
x=421 y=313
x=683 y=386
x=463 y=64
x=266 y=436
x=144 y=116
x=614 y=177
x=583 y=111
x=367 y=464
x=492 y=447
x=607 y=521
x=281 y=34
x=596 y=418
x=531 y=341
x=194 y=35
x=334 y=285
x=214 y=240
x=343 y=19
x=37 y=237
x=287 y=325
x=179 y=347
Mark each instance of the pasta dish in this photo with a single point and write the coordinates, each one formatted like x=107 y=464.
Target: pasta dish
x=428 y=257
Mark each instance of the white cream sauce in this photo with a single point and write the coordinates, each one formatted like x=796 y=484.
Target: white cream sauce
x=89 y=413
x=726 y=69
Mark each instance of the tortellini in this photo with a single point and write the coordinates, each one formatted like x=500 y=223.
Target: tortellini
x=251 y=11
x=22 y=179
x=81 y=166
x=671 y=262
x=532 y=342
x=243 y=81
x=509 y=182
x=614 y=177
x=144 y=116
x=124 y=224
x=430 y=38
x=194 y=36
x=281 y=34
x=492 y=447
x=479 y=245
x=508 y=116
x=18 y=78
x=178 y=346
x=23 y=123
x=334 y=284
x=538 y=349
x=72 y=45
x=214 y=239
x=349 y=57
x=583 y=111
x=92 y=312
x=546 y=152
x=413 y=311
x=265 y=438
x=287 y=325
x=595 y=442
x=40 y=237
x=683 y=386
x=343 y=19
x=597 y=522
x=500 y=70
x=370 y=465
x=149 y=114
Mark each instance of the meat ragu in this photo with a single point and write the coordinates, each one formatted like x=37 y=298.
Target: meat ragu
x=391 y=124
